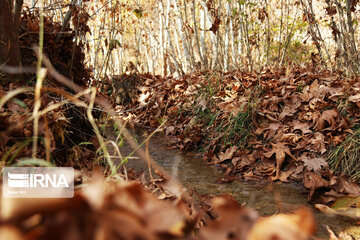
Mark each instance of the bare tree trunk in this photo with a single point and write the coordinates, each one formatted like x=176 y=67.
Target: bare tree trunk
x=161 y=36
x=9 y=44
x=350 y=25
x=337 y=37
x=314 y=30
x=188 y=37
x=203 y=37
x=170 y=47
x=240 y=37
x=180 y=28
x=288 y=39
x=233 y=53
x=281 y=27
x=227 y=33
x=202 y=58
x=248 y=47
x=268 y=38
x=66 y=20
x=353 y=51
x=17 y=13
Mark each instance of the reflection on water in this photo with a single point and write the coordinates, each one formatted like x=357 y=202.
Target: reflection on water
x=266 y=198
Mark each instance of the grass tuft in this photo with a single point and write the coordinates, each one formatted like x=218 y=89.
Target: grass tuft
x=346 y=157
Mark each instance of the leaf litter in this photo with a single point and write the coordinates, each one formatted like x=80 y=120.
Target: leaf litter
x=272 y=149
x=284 y=121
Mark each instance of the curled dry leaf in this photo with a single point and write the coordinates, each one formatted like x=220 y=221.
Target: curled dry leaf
x=328 y=120
x=228 y=154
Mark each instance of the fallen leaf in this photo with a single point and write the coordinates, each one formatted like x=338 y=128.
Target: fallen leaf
x=280 y=150
x=317 y=143
x=228 y=154
x=233 y=220
x=202 y=104
x=325 y=209
x=287 y=112
x=297 y=226
x=314 y=181
x=304 y=127
x=170 y=130
x=313 y=163
x=269 y=131
x=327 y=120
x=284 y=175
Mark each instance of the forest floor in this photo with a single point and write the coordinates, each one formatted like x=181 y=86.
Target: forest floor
x=279 y=125
x=286 y=124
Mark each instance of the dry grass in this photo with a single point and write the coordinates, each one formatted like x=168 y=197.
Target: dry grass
x=346 y=157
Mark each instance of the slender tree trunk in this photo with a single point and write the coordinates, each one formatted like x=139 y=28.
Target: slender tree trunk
x=190 y=39
x=170 y=46
x=161 y=37
x=203 y=36
x=233 y=53
x=353 y=51
x=202 y=57
x=180 y=28
x=281 y=27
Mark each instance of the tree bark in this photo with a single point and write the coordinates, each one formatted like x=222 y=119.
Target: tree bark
x=9 y=43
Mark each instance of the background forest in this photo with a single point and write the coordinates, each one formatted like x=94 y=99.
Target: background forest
x=177 y=37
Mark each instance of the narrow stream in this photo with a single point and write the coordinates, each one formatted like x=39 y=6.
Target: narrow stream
x=266 y=198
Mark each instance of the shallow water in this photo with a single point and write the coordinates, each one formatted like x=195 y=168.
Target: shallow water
x=266 y=198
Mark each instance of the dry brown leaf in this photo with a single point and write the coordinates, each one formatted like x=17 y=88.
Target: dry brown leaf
x=343 y=184
x=202 y=103
x=269 y=131
x=297 y=226
x=355 y=98
x=228 y=154
x=233 y=220
x=317 y=143
x=302 y=126
x=280 y=150
x=327 y=120
x=288 y=111
x=284 y=175
x=313 y=163
x=314 y=181
x=243 y=161
x=170 y=130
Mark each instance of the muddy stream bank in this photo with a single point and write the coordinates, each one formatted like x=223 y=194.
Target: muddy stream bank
x=266 y=198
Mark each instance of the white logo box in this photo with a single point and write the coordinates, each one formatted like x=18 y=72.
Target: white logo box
x=38 y=182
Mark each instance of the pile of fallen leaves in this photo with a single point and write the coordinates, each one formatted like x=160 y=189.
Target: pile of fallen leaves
x=61 y=129
x=66 y=55
x=276 y=125
x=124 y=210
